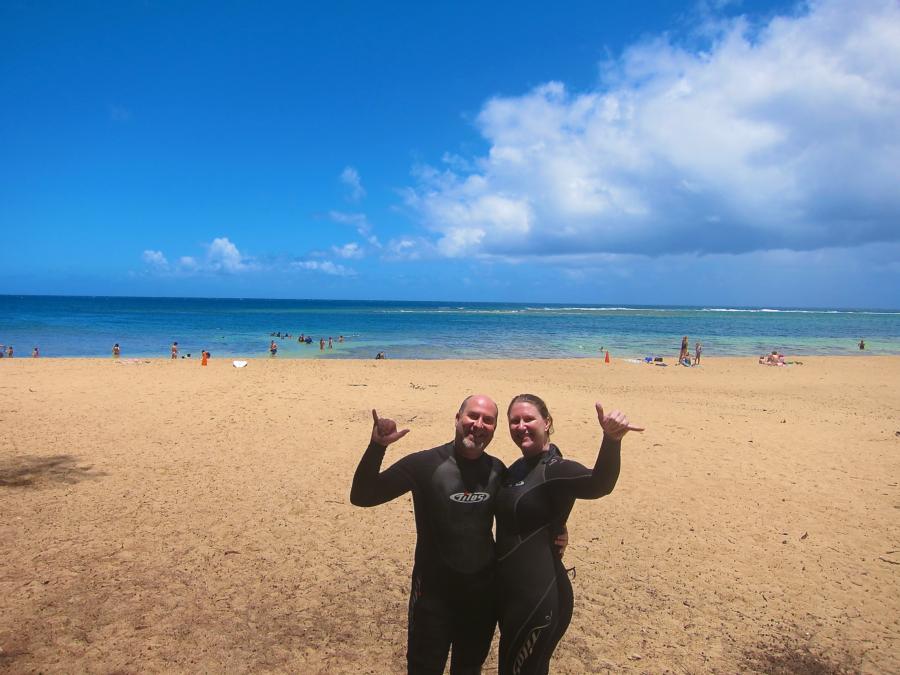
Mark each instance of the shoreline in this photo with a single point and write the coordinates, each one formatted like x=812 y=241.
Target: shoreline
x=670 y=361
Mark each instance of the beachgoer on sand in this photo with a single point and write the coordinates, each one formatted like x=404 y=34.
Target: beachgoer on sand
x=698 y=349
x=35 y=353
x=452 y=597
x=174 y=350
x=116 y=351
x=536 y=496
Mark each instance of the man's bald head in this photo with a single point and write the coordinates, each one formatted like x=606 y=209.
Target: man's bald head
x=475 y=424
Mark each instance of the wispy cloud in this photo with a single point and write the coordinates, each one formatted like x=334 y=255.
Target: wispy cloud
x=351 y=250
x=351 y=180
x=324 y=266
x=359 y=221
x=780 y=136
x=155 y=258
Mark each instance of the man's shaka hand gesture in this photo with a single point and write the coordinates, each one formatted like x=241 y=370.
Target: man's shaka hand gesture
x=384 y=430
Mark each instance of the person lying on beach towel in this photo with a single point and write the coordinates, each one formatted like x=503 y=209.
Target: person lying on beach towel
x=773 y=359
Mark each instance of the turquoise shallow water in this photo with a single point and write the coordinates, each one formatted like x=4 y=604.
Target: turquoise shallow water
x=88 y=326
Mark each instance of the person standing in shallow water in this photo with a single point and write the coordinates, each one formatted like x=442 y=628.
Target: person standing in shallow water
x=862 y=344
x=683 y=354
x=536 y=496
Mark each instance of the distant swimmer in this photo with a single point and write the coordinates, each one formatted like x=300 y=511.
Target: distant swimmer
x=340 y=338
x=273 y=348
x=321 y=344
x=330 y=343
x=862 y=344
x=116 y=351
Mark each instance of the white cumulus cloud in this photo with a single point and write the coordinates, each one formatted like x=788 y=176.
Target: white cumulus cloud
x=780 y=136
x=224 y=256
x=221 y=257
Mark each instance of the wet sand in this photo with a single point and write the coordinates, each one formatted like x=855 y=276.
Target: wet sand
x=160 y=516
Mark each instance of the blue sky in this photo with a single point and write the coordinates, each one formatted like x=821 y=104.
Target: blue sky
x=742 y=153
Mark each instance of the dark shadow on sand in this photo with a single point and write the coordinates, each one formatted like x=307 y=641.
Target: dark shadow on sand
x=785 y=655
x=31 y=471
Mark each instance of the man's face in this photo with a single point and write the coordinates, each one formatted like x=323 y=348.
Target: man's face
x=475 y=425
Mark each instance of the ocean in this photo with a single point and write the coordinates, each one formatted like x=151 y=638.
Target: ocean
x=146 y=327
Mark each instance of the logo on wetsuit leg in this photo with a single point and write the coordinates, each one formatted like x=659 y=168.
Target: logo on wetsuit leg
x=528 y=645
x=470 y=497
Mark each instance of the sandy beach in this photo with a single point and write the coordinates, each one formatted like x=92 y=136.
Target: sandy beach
x=156 y=515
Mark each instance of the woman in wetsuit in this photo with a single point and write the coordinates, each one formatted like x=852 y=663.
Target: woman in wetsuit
x=533 y=504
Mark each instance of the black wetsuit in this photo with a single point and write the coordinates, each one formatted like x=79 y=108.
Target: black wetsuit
x=535 y=595
x=453 y=596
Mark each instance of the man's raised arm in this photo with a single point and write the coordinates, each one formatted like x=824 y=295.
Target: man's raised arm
x=370 y=487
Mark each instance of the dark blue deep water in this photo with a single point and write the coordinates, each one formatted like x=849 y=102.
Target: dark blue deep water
x=88 y=326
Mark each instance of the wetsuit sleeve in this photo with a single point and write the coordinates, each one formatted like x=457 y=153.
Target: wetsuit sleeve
x=575 y=480
x=371 y=488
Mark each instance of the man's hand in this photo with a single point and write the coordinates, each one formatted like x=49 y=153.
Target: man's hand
x=615 y=425
x=384 y=430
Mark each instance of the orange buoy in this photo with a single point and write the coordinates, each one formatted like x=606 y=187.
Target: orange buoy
x=606 y=360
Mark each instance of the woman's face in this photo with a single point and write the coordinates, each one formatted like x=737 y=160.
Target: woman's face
x=529 y=430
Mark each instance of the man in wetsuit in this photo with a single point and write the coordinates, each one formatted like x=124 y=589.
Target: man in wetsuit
x=452 y=599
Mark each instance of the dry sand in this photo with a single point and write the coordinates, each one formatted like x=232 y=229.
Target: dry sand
x=161 y=516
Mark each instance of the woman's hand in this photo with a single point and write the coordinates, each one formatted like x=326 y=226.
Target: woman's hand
x=615 y=425
x=562 y=541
